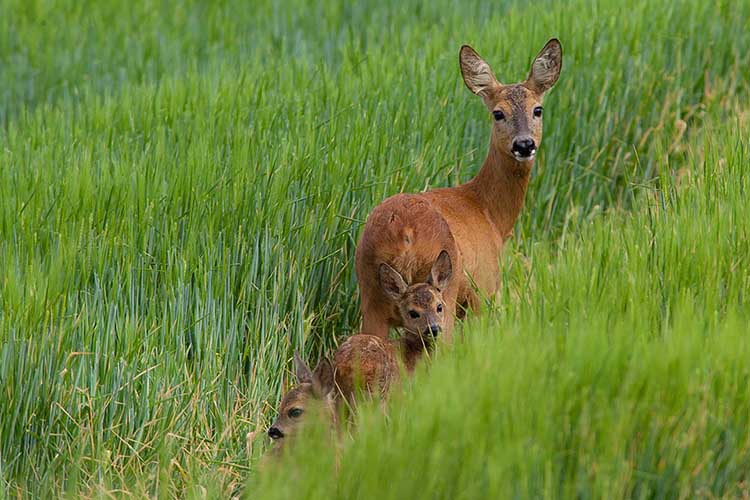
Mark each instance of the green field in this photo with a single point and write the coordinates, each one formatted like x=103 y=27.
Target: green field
x=182 y=185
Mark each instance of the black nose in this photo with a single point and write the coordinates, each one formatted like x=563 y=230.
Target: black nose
x=433 y=330
x=275 y=433
x=524 y=146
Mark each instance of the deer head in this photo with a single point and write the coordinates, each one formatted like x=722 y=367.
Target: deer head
x=516 y=108
x=421 y=304
x=314 y=392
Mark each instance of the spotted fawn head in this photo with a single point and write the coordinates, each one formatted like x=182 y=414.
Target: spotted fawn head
x=313 y=393
x=420 y=305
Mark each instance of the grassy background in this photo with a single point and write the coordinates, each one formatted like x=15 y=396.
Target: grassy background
x=182 y=186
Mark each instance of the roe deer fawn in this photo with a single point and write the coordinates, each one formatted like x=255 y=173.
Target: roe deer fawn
x=314 y=392
x=471 y=221
x=373 y=362
x=367 y=361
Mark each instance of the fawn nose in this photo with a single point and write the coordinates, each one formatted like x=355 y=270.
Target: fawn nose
x=275 y=433
x=433 y=330
x=523 y=147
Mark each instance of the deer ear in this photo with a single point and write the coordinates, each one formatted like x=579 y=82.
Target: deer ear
x=302 y=371
x=323 y=378
x=477 y=74
x=545 y=70
x=392 y=282
x=441 y=271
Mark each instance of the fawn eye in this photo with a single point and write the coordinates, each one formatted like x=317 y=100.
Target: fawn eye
x=498 y=115
x=440 y=308
x=295 y=412
x=413 y=314
x=538 y=111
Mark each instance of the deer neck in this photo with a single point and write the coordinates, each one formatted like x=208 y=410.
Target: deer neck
x=500 y=187
x=412 y=348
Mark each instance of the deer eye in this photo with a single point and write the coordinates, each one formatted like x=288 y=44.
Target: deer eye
x=413 y=314
x=440 y=308
x=498 y=115
x=538 y=111
x=295 y=412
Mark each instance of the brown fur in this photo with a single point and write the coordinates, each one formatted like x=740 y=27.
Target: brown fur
x=363 y=363
x=367 y=362
x=470 y=221
x=374 y=364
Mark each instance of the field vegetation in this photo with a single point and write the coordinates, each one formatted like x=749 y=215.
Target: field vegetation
x=182 y=185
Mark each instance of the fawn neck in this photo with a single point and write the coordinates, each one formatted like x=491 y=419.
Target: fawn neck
x=413 y=347
x=500 y=187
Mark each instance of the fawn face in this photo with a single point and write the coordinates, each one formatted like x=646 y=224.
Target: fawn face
x=420 y=305
x=517 y=108
x=313 y=392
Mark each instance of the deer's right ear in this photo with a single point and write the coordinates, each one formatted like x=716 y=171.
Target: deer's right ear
x=301 y=370
x=477 y=74
x=392 y=282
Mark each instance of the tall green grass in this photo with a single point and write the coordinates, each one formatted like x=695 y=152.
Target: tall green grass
x=182 y=185
x=615 y=367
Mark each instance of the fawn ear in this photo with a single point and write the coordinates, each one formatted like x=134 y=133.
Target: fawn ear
x=392 y=282
x=302 y=371
x=545 y=70
x=441 y=271
x=323 y=381
x=477 y=74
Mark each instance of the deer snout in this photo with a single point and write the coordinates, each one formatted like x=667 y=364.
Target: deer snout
x=433 y=330
x=275 y=433
x=523 y=148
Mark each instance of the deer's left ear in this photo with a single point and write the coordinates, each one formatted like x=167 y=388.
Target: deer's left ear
x=441 y=271
x=301 y=370
x=545 y=70
x=323 y=378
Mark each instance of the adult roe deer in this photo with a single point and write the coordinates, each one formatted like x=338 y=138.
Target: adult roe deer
x=366 y=361
x=471 y=221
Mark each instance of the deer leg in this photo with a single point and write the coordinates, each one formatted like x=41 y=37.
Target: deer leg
x=451 y=309
x=375 y=323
